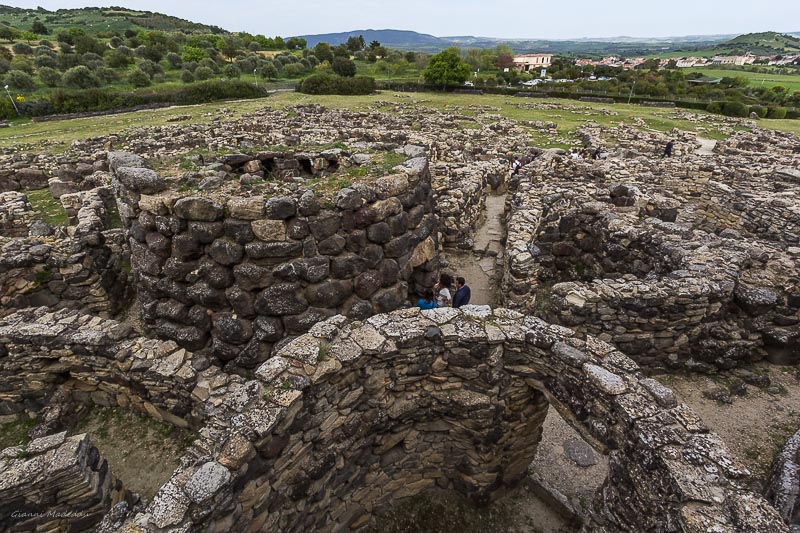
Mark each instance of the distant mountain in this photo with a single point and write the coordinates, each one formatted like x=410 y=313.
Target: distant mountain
x=392 y=38
x=411 y=40
x=96 y=20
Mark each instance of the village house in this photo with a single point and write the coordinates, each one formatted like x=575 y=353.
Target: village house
x=528 y=62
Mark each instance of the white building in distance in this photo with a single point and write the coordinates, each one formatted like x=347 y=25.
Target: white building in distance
x=528 y=62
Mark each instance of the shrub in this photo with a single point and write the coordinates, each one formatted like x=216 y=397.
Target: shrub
x=118 y=59
x=5 y=66
x=328 y=84
x=138 y=78
x=187 y=76
x=22 y=49
x=20 y=80
x=293 y=70
x=50 y=76
x=191 y=53
x=209 y=63
x=23 y=64
x=80 y=77
x=203 y=73
x=174 y=60
x=232 y=71
x=106 y=75
x=45 y=61
x=269 y=71
x=759 y=110
x=776 y=112
x=150 y=68
x=344 y=67
x=735 y=109
x=714 y=107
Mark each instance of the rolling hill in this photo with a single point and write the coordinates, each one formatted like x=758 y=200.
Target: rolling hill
x=96 y=20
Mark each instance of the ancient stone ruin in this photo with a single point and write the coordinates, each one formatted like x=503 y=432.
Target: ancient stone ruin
x=260 y=295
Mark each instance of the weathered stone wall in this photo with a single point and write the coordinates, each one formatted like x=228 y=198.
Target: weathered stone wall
x=241 y=272
x=783 y=487
x=16 y=214
x=56 y=483
x=95 y=361
x=353 y=416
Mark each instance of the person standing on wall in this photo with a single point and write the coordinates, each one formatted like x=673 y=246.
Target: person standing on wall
x=463 y=292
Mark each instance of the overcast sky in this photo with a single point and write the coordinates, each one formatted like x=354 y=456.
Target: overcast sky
x=497 y=18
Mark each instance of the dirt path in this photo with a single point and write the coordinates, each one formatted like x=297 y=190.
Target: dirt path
x=482 y=267
x=706 y=146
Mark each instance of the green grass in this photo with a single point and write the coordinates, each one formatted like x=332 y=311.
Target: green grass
x=15 y=433
x=790 y=81
x=28 y=135
x=48 y=207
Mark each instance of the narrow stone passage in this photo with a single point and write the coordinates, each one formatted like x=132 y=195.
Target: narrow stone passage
x=482 y=266
x=706 y=146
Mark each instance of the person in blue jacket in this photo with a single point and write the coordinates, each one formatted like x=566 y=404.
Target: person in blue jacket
x=462 y=292
x=427 y=301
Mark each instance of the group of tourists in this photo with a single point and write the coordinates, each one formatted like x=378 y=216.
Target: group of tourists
x=446 y=293
x=586 y=153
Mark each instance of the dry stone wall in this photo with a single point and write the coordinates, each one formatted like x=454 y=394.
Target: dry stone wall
x=56 y=483
x=240 y=272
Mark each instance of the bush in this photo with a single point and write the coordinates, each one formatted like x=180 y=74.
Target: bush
x=150 y=68
x=80 y=77
x=344 y=67
x=187 y=76
x=106 y=75
x=138 y=78
x=777 y=112
x=759 y=110
x=232 y=71
x=20 y=80
x=211 y=64
x=714 y=107
x=735 y=109
x=203 y=73
x=50 y=76
x=45 y=61
x=328 y=84
x=22 y=49
x=174 y=60
x=5 y=66
x=293 y=70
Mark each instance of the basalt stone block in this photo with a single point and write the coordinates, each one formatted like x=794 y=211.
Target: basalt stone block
x=143 y=260
x=313 y=269
x=324 y=225
x=349 y=199
x=347 y=266
x=185 y=247
x=246 y=208
x=297 y=228
x=141 y=180
x=280 y=208
x=224 y=351
x=264 y=250
x=147 y=220
x=333 y=245
x=281 y=299
x=373 y=254
x=391 y=185
x=230 y=329
x=308 y=205
x=237 y=230
x=226 y=252
x=426 y=227
x=242 y=302
x=286 y=272
x=398 y=223
x=137 y=232
x=379 y=233
x=216 y=275
x=198 y=208
x=367 y=284
x=177 y=269
x=386 y=300
x=390 y=272
x=117 y=160
x=329 y=294
x=299 y=324
x=204 y=294
x=358 y=309
x=172 y=289
x=200 y=317
x=158 y=244
x=269 y=230
x=250 y=276
x=269 y=329
x=172 y=310
x=205 y=232
x=189 y=337
x=356 y=241
x=399 y=246
x=170 y=226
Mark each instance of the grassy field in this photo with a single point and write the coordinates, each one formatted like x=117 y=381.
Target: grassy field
x=790 y=81
x=27 y=135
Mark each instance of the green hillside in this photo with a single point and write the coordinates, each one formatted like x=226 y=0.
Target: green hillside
x=99 y=20
x=764 y=43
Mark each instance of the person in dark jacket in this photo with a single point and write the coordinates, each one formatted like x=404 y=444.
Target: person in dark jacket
x=462 y=292
x=668 y=149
